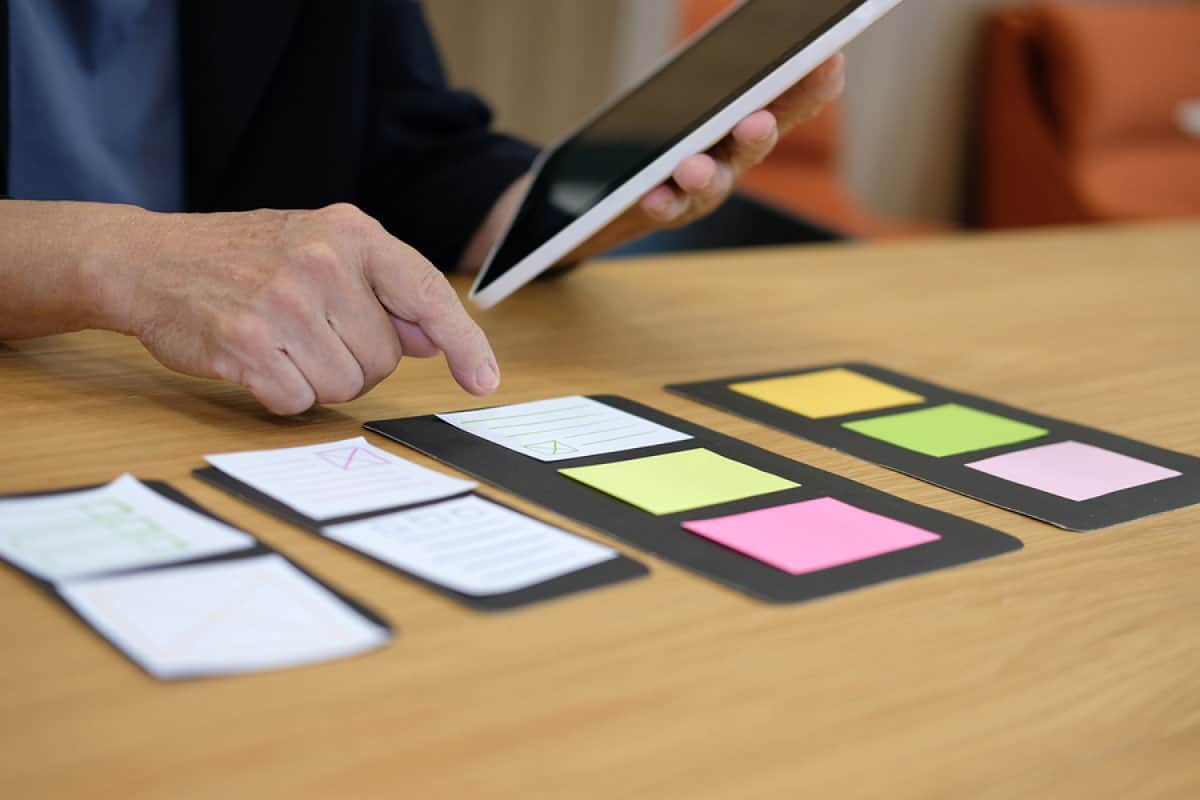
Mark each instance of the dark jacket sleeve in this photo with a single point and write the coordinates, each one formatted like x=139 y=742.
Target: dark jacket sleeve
x=433 y=166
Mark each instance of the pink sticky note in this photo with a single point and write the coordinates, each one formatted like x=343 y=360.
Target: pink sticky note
x=811 y=535
x=1073 y=470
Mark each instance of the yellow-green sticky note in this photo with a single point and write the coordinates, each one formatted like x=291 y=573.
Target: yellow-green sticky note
x=827 y=393
x=679 y=481
x=946 y=430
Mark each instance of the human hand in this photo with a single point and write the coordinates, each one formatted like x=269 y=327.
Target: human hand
x=702 y=182
x=697 y=186
x=299 y=307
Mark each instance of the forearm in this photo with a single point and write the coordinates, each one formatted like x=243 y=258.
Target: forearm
x=58 y=264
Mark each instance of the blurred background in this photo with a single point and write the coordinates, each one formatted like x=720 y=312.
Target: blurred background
x=986 y=113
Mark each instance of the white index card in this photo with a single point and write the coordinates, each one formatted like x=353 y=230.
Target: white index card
x=120 y=526
x=337 y=479
x=562 y=428
x=471 y=545
x=223 y=617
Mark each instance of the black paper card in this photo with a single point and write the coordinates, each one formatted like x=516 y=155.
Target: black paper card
x=950 y=471
x=256 y=550
x=614 y=570
x=961 y=541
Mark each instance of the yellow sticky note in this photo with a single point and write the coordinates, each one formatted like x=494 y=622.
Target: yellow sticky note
x=679 y=481
x=827 y=393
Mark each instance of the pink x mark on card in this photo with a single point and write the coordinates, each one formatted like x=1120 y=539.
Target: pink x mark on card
x=349 y=458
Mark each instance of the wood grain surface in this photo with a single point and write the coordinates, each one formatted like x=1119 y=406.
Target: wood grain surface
x=1070 y=669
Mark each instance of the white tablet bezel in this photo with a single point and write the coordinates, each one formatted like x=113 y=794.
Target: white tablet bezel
x=659 y=170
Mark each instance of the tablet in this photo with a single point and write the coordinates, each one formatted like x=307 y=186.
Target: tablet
x=737 y=65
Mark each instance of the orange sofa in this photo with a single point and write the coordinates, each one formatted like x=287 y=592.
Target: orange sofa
x=802 y=175
x=1080 y=114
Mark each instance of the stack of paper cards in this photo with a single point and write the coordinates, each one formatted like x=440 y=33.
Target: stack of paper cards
x=179 y=592
x=420 y=522
x=471 y=545
x=762 y=523
x=338 y=479
x=1066 y=474
x=119 y=527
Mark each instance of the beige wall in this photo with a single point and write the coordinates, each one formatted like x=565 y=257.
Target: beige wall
x=910 y=95
x=909 y=104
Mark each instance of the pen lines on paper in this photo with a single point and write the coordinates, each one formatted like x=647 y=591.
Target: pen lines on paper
x=90 y=532
x=119 y=526
x=228 y=609
x=485 y=545
x=472 y=545
x=255 y=613
x=521 y=415
x=337 y=478
x=563 y=429
x=320 y=481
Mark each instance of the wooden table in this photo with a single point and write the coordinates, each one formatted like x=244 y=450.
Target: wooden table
x=1069 y=669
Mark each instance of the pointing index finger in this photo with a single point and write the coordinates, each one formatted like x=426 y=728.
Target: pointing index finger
x=413 y=290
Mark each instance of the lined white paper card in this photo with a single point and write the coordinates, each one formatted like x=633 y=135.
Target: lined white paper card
x=471 y=545
x=562 y=428
x=123 y=525
x=224 y=617
x=337 y=479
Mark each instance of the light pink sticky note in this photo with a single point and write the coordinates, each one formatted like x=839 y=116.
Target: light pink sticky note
x=811 y=535
x=1073 y=470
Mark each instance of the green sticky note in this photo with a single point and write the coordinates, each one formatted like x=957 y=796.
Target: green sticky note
x=678 y=481
x=946 y=430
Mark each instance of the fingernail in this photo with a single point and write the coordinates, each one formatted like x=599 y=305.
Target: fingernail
x=488 y=377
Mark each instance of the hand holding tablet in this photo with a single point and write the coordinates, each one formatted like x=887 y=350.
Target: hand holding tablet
x=703 y=181
x=583 y=194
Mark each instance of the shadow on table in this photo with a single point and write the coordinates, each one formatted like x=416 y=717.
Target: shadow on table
x=81 y=368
